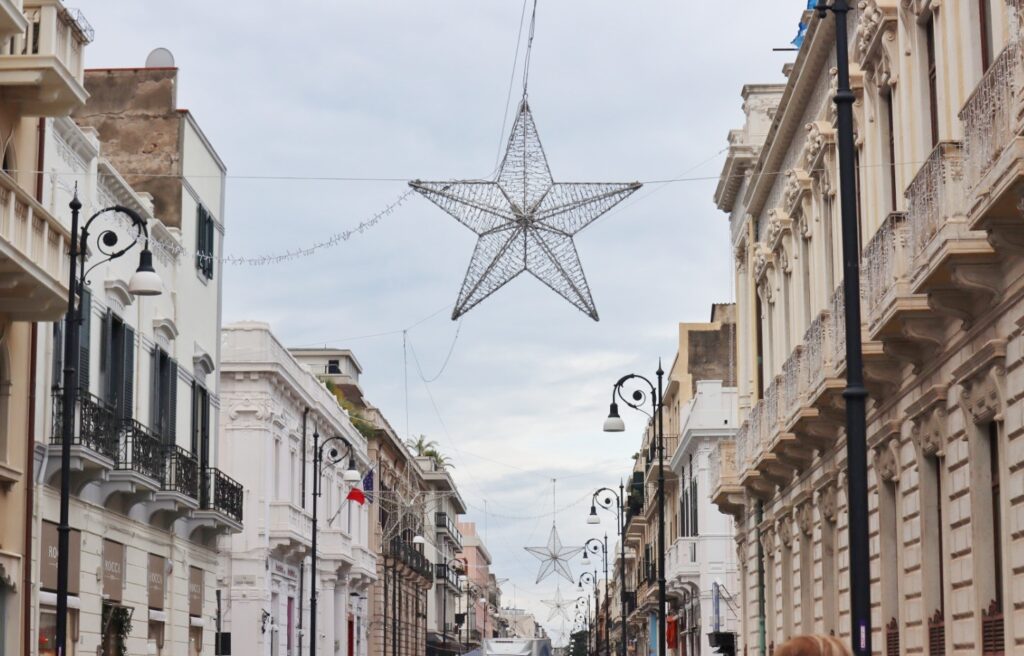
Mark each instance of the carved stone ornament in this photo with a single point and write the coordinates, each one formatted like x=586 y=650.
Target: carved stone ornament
x=820 y=136
x=768 y=541
x=763 y=259
x=929 y=422
x=804 y=515
x=827 y=502
x=261 y=409
x=785 y=530
x=741 y=550
x=740 y=253
x=983 y=383
x=887 y=460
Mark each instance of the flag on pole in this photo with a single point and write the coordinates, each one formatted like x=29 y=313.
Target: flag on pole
x=368 y=485
x=355 y=494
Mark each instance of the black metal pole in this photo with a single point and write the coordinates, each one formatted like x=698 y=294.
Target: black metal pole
x=661 y=517
x=68 y=398
x=855 y=393
x=622 y=565
x=312 y=568
x=607 y=602
x=444 y=606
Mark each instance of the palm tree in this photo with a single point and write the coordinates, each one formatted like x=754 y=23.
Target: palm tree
x=425 y=448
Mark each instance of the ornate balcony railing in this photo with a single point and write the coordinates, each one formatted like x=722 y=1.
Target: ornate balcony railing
x=791 y=384
x=222 y=493
x=813 y=359
x=742 y=447
x=141 y=451
x=989 y=116
x=443 y=520
x=885 y=264
x=935 y=195
x=407 y=554
x=722 y=464
x=181 y=473
x=97 y=426
x=445 y=573
x=770 y=419
x=837 y=330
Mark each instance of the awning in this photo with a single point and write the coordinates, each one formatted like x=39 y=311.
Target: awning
x=50 y=599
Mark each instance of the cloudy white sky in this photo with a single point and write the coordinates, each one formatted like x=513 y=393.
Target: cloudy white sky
x=407 y=89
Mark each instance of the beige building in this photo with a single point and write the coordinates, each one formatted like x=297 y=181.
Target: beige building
x=703 y=355
x=41 y=76
x=938 y=148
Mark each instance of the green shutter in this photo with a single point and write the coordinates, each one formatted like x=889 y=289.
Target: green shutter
x=172 y=403
x=84 y=337
x=210 y=231
x=128 y=372
x=107 y=382
x=154 y=389
x=194 y=445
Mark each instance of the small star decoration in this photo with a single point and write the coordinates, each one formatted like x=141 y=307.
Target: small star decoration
x=554 y=557
x=525 y=221
x=559 y=607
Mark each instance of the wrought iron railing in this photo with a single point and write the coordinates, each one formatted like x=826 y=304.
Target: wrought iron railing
x=443 y=572
x=407 y=554
x=937 y=634
x=141 y=451
x=181 y=473
x=791 y=390
x=222 y=493
x=885 y=263
x=444 y=520
x=837 y=330
x=989 y=115
x=97 y=426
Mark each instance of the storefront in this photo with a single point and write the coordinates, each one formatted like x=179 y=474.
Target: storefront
x=196 y=585
x=48 y=557
x=156 y=588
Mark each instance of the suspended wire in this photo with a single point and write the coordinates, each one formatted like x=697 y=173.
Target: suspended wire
x=444 y=365
x=511 y=83
x=529 y=49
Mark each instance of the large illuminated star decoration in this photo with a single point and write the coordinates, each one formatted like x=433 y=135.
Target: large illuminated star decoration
x=554 y=557
x=560 y=608
x=525 y=221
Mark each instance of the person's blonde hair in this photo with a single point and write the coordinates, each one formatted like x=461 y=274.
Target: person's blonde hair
x=813 y=645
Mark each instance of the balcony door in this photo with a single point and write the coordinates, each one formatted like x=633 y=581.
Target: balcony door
x=118 y=365
x=201 y=425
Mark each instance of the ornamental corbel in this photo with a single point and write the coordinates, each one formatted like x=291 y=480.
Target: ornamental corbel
x=779 y=225
x=804 y=516
x=827 y=501
x=785 y=530
x=763 y=259
x=887 y=460
x=982 y=380
x=821 y=135
x=929 y=422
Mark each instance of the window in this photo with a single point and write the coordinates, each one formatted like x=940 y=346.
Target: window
x=48 y=631
x=333 y=367
x=163 y=402
x=934 y=552
x=992 y=622
x=200 y=424
x=155 y=639
x=205 y=250
x=889 y=536
x=890 y=137
x=933 y=79
x=987 y=40
x=117 y=364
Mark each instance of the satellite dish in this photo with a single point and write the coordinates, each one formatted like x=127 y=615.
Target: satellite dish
x=160 y=58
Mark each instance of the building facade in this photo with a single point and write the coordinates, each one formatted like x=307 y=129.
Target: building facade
x=276 y=413
x=478 y=589
x=149 y=498
x=445 y=506
x=42 y=78
x=937 y=123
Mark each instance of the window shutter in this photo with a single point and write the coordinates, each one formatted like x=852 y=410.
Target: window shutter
x=200 y=237
x=58 y=354
x=128 y=373
x=195 y=419
x=107 y=358
x=209 y=245
x=84 y=337
x=154 y=388
x=172 y=403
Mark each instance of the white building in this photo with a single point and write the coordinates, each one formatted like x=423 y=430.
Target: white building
x=148 y=499
x=703 y=555
x=274 y=406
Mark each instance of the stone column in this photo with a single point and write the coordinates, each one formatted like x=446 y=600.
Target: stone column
x=341 y=618
x=325 y=622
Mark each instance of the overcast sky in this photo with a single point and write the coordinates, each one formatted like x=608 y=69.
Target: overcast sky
x=405 y=89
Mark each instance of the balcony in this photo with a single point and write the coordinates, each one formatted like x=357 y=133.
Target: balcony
x=365 y=563
x=334 y=544
x=33 y=256
x=445 y=575
x=139 y=469
x=290 y=529
x=444 y=525
x=726 y=492
x=993 y=150
x=12 y=20
x=682 y=562
x=407 y=555
x=955 y=266
x=220 y=503
x=95 y=440
x=41 y=66
x=178 y=495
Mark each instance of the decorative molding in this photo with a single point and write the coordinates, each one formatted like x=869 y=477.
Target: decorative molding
x=804 y=515
x=930 y=427
x=887 y=460
x=982 y=379
x=202 y=363
x=785 y=529
x=763 y=259
x=821 y=137
x=827 y=501
x=165 y=330
x=117 y=293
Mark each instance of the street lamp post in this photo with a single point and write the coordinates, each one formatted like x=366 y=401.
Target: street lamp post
x=614 y=424
x=595 y=546
x=145 y=282
x=604 y=497
x=351 y=475
x=855 y=393
x=591 y=579
x=465 y=568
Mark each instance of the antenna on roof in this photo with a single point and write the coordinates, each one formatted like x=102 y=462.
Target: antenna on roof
x=160 y=58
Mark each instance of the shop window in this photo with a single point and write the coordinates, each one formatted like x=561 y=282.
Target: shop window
x=48 y=631
x=155 y=640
